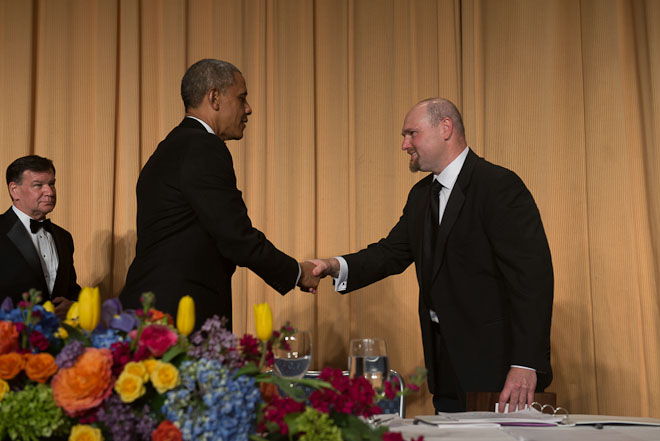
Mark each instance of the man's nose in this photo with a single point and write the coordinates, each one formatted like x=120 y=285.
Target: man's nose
x=248 y=109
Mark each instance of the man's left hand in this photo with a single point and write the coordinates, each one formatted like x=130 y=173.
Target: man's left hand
x=62 y=306
x=518 y=389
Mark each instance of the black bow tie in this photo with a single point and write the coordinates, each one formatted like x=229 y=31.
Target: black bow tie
x=35 y=225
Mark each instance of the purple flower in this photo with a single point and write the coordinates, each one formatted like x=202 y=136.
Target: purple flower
x=214 y=342
x=109 y=309
x=112 y=316
x=126 y=321
x=7 y=305
x=124 y=423
x=69 y=354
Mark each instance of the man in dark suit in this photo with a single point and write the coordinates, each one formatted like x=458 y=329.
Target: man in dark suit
x=192 y=224
x=34 y=252
x=482 y=261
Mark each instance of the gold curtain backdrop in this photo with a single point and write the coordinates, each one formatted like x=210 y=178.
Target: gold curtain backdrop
x=566 y=93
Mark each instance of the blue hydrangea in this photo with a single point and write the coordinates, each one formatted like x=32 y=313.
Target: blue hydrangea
x=104 y=338
x=210 y=404
x=14 y=315
x=48 y=323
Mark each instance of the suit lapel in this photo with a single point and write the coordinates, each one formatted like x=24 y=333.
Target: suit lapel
x=62 y=249
x=453 y=209
x=21 y=240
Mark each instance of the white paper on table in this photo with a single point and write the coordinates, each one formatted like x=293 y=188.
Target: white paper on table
x=466 y=432
x=527 y=416
x=584 y=433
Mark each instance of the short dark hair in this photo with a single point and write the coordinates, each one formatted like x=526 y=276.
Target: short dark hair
x=204 y=75
x=32 y=163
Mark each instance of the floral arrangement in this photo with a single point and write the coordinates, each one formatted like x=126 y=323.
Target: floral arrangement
x=104 y=373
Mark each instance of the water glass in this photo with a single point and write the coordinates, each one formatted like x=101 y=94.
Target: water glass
x=367 y=358
x=294 y=355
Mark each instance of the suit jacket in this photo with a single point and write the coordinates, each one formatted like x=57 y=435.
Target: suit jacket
x=20 y=268
x=492 y=280
x=193 y=228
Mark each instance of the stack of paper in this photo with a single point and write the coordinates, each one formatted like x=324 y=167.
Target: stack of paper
x=527 y=417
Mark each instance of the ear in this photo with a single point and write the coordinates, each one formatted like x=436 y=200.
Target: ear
x=447 y=127
x=213 y=97
x=13 y=191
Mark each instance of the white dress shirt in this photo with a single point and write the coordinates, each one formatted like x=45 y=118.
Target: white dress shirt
x=44 y=243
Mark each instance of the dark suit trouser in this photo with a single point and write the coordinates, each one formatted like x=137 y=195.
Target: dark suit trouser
x=449 y=396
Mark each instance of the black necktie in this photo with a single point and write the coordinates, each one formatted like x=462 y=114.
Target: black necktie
x=435 y=209
x=430 y=236
x=35 y=225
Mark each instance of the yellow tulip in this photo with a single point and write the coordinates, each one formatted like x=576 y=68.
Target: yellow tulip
x=89 y=308
x=72 y=315
x=185 y=315
x=263 y=320
x=48 y=306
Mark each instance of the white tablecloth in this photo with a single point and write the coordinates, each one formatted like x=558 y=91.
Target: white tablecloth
x=511 y=433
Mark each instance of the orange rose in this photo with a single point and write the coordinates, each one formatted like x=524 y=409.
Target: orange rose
x=85 y=384
x=10 y=365
x=166 y=431
x=8 y=337
x=156 y=316
x=40 y=367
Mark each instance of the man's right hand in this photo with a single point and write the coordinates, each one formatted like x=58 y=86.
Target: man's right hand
x=308 y=280
x=326 y=267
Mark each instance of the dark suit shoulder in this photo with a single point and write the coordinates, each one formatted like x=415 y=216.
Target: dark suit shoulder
x=7 y=220
x=185 y=142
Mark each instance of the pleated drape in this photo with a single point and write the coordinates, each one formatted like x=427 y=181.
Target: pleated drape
x=566 y=93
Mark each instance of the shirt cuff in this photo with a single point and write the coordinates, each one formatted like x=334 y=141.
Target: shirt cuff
x=523 y=367
x=341 y=281
x=298 y=278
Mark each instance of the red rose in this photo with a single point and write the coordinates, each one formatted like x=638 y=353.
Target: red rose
x=158 y=339
x=166 y=431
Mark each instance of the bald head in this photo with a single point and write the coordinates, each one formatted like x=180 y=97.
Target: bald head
x=438 y=109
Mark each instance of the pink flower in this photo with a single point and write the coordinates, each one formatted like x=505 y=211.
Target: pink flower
x=38 y=341
x=250 y=348
x=276 y=410
x=350 y=396
x=391 y=388
x=158 y=339
x=121 y=354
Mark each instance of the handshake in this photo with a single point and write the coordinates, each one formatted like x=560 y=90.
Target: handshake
x=312 y=271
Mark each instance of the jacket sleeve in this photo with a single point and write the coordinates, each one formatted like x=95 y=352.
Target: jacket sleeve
x=523 y=256
x=390 y=255
x=209 y=184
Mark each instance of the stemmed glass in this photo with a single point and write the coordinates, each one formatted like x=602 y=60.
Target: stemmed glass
x=294 y=355
x=368 y=358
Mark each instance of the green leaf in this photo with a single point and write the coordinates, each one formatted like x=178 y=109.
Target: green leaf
x=249 y=369
x=179 y=348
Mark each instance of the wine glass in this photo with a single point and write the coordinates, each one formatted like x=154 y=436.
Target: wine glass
x=368 y=358
x=294 y=355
